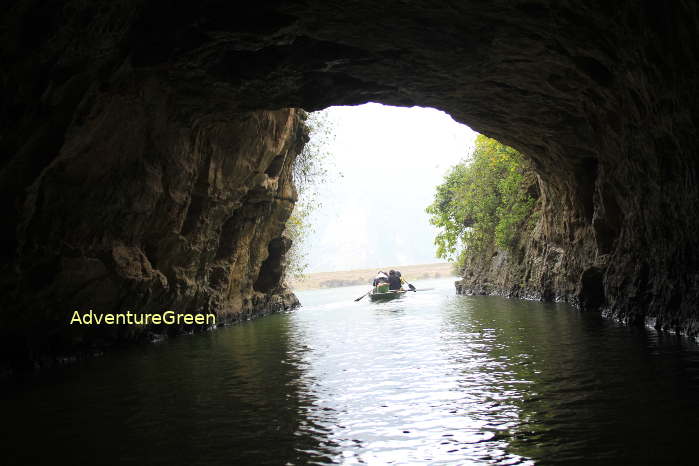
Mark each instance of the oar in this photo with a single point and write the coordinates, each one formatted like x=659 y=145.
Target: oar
x=363 y=295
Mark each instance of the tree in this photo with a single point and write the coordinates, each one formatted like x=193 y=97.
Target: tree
x=483 y=202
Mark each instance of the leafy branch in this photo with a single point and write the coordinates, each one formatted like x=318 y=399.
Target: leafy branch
x=483 y=202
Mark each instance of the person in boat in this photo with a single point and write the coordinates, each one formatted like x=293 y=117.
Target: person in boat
x=403 y=282
x=380 y=278
x=394 y=281
x=381 y=283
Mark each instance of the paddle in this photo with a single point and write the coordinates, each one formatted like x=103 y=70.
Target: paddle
x=363 y=295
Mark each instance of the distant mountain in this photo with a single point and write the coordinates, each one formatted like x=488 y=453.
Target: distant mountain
x=391 y=160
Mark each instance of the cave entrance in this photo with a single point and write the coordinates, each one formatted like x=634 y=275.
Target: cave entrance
x=146 y=109
x=382 y=165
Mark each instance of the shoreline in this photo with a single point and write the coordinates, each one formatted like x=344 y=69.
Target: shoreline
x=356 y=277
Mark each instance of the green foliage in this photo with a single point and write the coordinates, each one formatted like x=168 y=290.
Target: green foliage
x=312 y=168
x=482 y=202
x=297 y=228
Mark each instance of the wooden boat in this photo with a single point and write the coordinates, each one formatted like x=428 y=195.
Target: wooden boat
x=378 y=295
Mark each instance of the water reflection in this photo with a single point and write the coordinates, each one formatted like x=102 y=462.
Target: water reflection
x=449 y=379
x=486 y=383
x=400 y=397
x=428 y=378
x=238 y=395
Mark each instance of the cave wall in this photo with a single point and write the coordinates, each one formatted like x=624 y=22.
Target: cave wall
x=143 y=210
x=601 y=96
x=543 y=263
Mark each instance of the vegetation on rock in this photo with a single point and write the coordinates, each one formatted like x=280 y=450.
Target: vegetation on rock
x=311 y=169
x=483 y=202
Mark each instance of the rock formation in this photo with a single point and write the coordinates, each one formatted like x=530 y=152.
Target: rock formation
x=141 y=211
x=131 y=128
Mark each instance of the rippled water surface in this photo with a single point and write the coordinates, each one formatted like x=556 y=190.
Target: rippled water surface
x=429 y=378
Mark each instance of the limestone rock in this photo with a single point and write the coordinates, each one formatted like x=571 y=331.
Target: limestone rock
x=134 y=132
x=140 y=212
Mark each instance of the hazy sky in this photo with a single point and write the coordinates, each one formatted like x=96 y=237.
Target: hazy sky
x=391 y=159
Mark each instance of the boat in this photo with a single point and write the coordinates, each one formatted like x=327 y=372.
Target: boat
x=379 y=294
x=393 y=294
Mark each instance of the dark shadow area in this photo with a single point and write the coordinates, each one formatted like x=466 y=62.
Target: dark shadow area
x=151 y=120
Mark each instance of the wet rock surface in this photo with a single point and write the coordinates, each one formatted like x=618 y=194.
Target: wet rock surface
x=140 y=212
x=131 y=128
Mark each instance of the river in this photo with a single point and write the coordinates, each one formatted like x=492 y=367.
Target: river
x=430 y=378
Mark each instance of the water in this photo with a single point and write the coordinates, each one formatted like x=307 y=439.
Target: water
x=429 y=378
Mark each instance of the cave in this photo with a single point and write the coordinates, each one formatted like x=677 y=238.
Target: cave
x=146 y=146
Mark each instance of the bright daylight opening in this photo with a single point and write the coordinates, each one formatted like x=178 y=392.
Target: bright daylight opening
x=378 y=170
